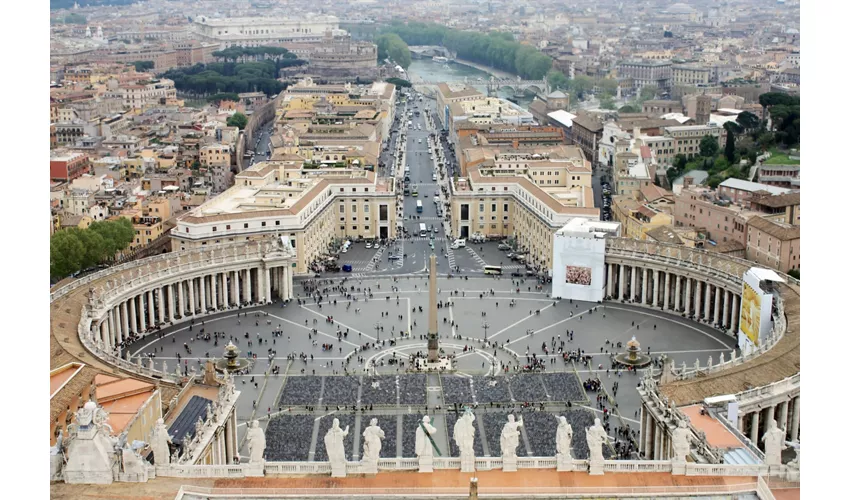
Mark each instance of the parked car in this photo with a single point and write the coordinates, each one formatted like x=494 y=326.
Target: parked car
x=504 y=246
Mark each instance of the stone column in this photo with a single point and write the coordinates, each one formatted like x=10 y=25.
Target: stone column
x=181 y=299
x=125 y=321
x=622 y=282
x=150 y=309
x=754 y=429
x=104 y=332
x=134 y=318
x=688 y=296
x=678 y=294
x=658 y=435
x=729 y=316
x=609 y=287
x=633 y=296
x=225 y=298
x=249 y=289
x=233 y=436
x=717 y=293
x=644 y=429
x=213 y=291
x=202 y=288
x=268 y=285
x=666 y=291
x=782 y=421
x=795 y=420
x=697 y=297
x=141 y=308
x=656 y=299
x=643 y=287
x=236 y=294
x=192 y=302
x=769 y=414
x=110 y=329
x=228 y=446
x=160 y=309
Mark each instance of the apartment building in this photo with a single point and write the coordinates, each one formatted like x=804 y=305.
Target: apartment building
x=783 y=207
x=739 y=190
x=688 y=74
x=67 y=166
x=638 y=218
x=453 y=93
x=662 y=107
x=313 y=206
x=528 y=195
x=687 y=137
x=721 y=220
x=650 y=72
x=785 y=176
x=773 y=243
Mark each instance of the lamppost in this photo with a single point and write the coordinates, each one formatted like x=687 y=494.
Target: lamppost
x=485 y=326
x=378 y=327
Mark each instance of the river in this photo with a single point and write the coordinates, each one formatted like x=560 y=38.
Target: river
x=421 y=68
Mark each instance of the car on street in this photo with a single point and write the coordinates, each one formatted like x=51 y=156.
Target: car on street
x=394 y=257
x=347 y=268
x=517 y=274
x=368 y=244
x=504 y=246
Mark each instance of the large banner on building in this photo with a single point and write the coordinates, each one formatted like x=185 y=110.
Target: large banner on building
x=751 y=313
x=579 y=275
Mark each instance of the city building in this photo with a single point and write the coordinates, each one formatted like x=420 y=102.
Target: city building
x=578 y=263
x=453 y=93
x=784 y=176
x=644 y=73
x=721 y=220
x=313 y=207
x=773 y=243
x=739 y=190
x=67 y=166
x=263 y=31
x=524 y=194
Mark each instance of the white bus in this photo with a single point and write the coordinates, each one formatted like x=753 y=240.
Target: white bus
x=492 y=269
x=423 y=231
x=419 y=206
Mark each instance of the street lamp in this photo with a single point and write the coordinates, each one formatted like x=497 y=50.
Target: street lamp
x=485 y=326
x=378 y=326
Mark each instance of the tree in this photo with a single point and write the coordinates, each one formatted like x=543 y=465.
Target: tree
x=794 y=273
x=580 y=85
x=748 y=121
x=729 y=151
x=647 y=93
x=237 y=120
x=708 y=146
x=607 y=102
x=391 y=46
x=609 y=85
x=398 y=82
x=142 y=66
x=66 y=254
x=629 y=108
x=557 y=80
x=74 y=249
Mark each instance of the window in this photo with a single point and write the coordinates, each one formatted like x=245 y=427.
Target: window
x=480 y=207
x=341 y=208
x=263 y=224
x=215 y=229
x=226 y=227
x=366 y=208
x=505 y=208
x=354 y=228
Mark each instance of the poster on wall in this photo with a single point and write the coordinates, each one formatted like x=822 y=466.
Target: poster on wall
x=577 y=275
x=751 y=313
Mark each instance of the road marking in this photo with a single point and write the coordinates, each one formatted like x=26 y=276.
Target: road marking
x=307 y=307
x=176 y=331
x=518 y=322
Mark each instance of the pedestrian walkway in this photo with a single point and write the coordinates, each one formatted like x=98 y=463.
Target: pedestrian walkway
x=419 y=238
x=375 y=260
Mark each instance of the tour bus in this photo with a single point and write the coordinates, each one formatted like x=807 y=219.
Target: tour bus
x=423 y=231
x=492 y=269
x=419 y=206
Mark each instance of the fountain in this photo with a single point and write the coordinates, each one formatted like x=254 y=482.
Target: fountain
x=231 y=361
x=633 y=356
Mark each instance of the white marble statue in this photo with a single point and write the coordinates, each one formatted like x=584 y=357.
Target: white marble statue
x=596 y=437
x=564 y=438
x=57 y=458
x=509 y=439
x=774 y=443
x=372 y=437
x=159 y=443
x=424 y=447
x=464 y=435
x=132 y=460
x=681 y=442
x=334 y=443
x=256 y=443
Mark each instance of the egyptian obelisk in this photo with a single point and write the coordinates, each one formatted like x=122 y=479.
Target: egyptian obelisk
x=433 y=343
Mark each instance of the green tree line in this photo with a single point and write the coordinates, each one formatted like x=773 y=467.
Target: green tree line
x=784 y=113
x=228 y=77
x=74 y=249
x=391 y=46
x=496 y=49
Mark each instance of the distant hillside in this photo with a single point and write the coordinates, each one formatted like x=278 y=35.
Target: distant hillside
x=67 y=4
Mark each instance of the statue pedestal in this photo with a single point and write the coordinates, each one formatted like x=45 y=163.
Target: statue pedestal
x=254 y=469
x=565 y=463
x=467 y=464
x=508 y=464
x=678 y=467
x=369 y=467
x=597 y=468
x=426 y=464
x=338 y=469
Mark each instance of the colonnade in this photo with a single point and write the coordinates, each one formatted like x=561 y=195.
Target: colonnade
x=222 y=448
x=146 y=307
x=753 y=424
x=672 y=291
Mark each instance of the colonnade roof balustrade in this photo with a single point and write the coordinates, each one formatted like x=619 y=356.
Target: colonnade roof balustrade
x=780 y=361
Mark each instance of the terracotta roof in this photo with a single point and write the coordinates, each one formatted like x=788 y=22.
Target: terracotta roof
x=664 y=234
x=589 y=122
x=778 y=200
x=782 y=232
x=651 y=193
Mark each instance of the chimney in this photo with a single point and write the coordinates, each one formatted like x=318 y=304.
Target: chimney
x=687 y=182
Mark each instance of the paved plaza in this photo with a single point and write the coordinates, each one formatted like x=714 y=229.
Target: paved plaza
x=355 y=364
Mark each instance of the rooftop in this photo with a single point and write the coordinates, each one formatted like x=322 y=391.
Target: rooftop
x=752 y=186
